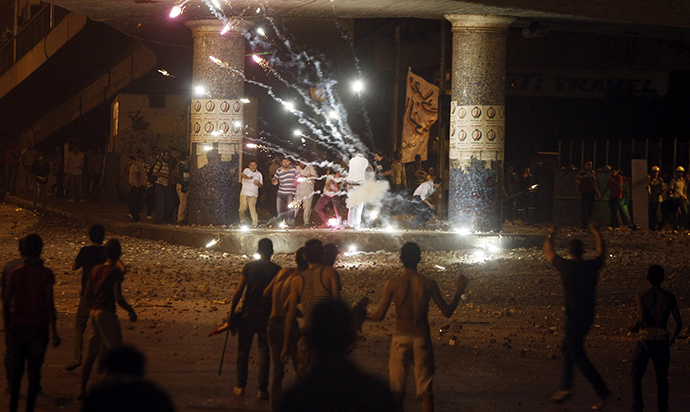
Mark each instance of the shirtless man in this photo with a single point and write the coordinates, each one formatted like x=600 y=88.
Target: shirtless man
x=278 y=291
x=316 y=284
x=411 y=293
x=654 y=306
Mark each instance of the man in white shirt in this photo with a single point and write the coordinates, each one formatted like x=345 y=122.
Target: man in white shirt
x=425 y=209
x=305 y=190
x=357 y=171
x=252 y=180
x=75 y=166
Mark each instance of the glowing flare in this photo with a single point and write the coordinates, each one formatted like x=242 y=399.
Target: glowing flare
x=199 y=90
x=374 y=214
x=390 y=228
x=257 y=256
x=440 y=267
x=283 y=225
x=244 y=228
x=226 y=28
x=492 y=248
x=211 y=243
x=297 y=132
x=237 y=124
x=333 y=114
x=260 y=30
x=334 y=222
x=352 y=248
x=206 y=148
x=251 y=145
x=176 y=11
x=358 y=86
x=463 y=231
x=244 y=100
x=289 y=106
x=256 y=58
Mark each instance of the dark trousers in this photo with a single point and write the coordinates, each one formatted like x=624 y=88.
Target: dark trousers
x=424 y=212
x=324 y=200
x=245 y=335
x=659 y=353
x=163 y=203
x=172 y=215
x=150 y=200
x=135 y=199
x=586 y=208
x=28 y=345
x=574 y=355
x=653 y=210
x=617 y=213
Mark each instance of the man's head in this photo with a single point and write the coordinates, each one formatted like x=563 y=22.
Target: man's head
x=655 y=275
x=438 y=182
x=510 y=169
x=331 y=330
x=397 y=155
x=417 y=158
x=410 y=255
x=33 y=246
x=125 y=360
x=75 y=149
x=175 y=153
x=265 y=248
x=97 y=234
x=330 y=254
x=165 y=155
x=113 y=250
x=588 y=165
x=301 y=261
x=184 y=156
x=378 y=155
x=154 y=150
x=252 y=166
x=131 y=159
x=680 y=170
x=313 y=251
x=576 y=248
x=286 y=163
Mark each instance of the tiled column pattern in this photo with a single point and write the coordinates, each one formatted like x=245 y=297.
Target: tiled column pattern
x=476 y=156
x=214 y=187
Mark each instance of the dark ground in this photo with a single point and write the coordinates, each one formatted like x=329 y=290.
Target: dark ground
x=508 y=329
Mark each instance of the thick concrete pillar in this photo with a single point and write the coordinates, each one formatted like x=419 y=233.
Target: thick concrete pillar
x=477 y=122
x=217 y=122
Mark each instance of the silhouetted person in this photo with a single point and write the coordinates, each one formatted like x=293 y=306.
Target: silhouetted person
x=124 y=388
x=6 y=270
x=256 y=309
x=587 y=190
x=330 y=255
x=29 y=311
x=654 y=306
x=314 y=285
x=335 y=384
x=579 y=277
x=411 y=345
x=279 y=291
x=104 y=290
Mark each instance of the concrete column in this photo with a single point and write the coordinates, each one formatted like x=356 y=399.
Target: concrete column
x=217 y=122
x=477 y=122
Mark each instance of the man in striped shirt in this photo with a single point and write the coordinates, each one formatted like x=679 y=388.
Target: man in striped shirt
x=286 y=180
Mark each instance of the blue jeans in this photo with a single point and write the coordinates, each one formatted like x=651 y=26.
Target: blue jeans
x=282 y=202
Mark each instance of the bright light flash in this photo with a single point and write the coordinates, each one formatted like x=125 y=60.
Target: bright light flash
x=215 y=60
x=283 y=225
x=176 y=11
x=303 y=140
x=334 y=222
x=390 y=228
x=258 y=10
x=251 y=145
x=289 y=106
x=216 y=133
x=257 y=256
x=333 y=114
x=374 y=214
x=164 y=72
x=357 y=86
x=463 y=231
x=237 y=124
x=533 y=186
x=199 y=90
x=300 y=179
x=215 y=4
x=256 y=58
x=244 y=100
x=493 y=248
x=211 y=243
x=479 y=255
x=244 y=228
x=206 y=148
x=226 y=28
x=260 y=30
x=297 y=132
x=439 y=267
x=352 y=248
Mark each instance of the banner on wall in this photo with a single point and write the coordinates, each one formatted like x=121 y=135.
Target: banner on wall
x=421 y=111
x=217 y=121
x=476 y=131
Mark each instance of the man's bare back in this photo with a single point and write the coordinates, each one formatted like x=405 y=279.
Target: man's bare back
x=655 y=305
x=279 y=290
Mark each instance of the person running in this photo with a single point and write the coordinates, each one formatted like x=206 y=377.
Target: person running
x=654 y=306
x=411 y=345
x=579 y=277
x=29 y=313
x=286 y=180
x=103 y=290
x=314 y=285
x=278 y=291
x=256 y=310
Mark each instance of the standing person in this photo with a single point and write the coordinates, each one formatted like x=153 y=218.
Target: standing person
x=137 y=186
x=29 y=310
x=161 y=171
x=182 y=187
x=11 y=164
x=425 y=209
x=579 y=277
x=411 y=345
x=286 y=180
x=28 y=159
x=96 y=161
x=256 y=309
x=87 y=258
x=382 y=166
x=40 y=171
x=278 y=291
x=6 y=270
x=588 y=190
x=104 y=290
x=271 y=191
x=356 y=175
x=398 y=176
x=150 y=181
x=654 y=306
x=336 y=384
x=75 y=166
x=677 y=190
x=305 y=191
x=329 y=195
x=418 y=174
x=314 y=285
x=252 y=180
x=615 y=187
x=655 y=190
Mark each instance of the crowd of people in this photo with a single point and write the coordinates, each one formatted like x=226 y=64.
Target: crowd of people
x=266 y=303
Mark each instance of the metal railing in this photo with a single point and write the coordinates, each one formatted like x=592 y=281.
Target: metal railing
x=30 y=34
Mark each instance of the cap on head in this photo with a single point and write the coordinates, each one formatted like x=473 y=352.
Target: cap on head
x=680 y=169
x=655 y=168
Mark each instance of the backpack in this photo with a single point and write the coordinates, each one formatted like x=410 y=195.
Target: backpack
x=149 y=175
